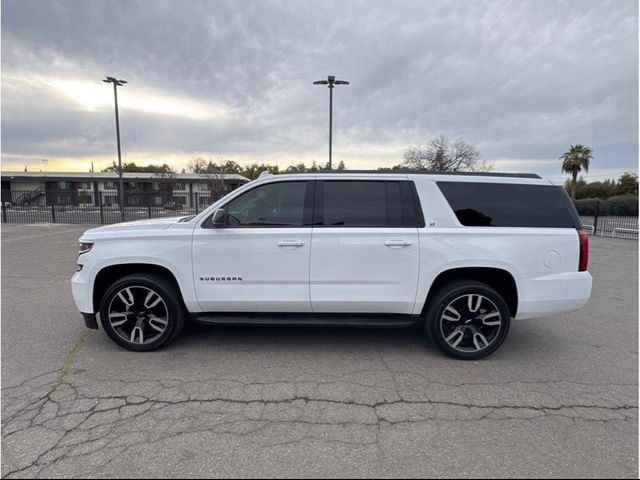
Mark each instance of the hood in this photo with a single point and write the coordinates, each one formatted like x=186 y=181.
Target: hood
x=133 y=226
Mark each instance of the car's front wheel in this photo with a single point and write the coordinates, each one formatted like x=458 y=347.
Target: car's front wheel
x=467 y=320
x=142 y=312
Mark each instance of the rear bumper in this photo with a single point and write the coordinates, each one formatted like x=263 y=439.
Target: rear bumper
x=547 y=295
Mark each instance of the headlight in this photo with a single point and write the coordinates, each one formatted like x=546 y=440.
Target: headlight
x=84 y=247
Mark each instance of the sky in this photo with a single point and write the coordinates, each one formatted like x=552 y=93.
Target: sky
x=521 y=81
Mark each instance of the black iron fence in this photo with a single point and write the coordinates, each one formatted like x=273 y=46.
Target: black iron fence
x=611 y=225
x=103 y=207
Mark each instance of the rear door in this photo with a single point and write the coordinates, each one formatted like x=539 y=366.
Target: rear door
x=365 y=250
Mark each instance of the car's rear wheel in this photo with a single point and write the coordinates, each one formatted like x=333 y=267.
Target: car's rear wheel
x=467 y=320
x=142 y=312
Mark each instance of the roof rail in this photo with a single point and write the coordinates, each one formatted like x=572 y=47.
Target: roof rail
x=425 y=172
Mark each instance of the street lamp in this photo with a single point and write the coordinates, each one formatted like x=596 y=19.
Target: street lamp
x=118 y=83
x=330 y=82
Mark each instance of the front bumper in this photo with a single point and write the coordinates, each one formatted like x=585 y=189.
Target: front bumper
x=82 y=290
x=90 y=320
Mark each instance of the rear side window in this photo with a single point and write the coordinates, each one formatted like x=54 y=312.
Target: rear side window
x=510 y=205
x=353 y=203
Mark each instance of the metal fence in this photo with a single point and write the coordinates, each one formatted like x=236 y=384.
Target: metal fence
x=103 y=207
x=611 y=226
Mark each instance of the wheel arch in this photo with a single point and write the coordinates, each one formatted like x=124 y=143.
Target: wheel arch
x=111 y=273
x=499 y=279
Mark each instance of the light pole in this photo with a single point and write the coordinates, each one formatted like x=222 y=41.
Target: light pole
x=118 y=83
x=330 y=82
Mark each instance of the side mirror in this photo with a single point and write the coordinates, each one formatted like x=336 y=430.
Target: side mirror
x=219 y=218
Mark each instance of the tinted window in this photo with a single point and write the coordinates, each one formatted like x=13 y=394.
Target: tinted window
x=509 y=205
x=366 y=204
x=271 y=204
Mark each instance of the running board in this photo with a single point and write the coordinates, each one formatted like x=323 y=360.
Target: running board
x=308 y=319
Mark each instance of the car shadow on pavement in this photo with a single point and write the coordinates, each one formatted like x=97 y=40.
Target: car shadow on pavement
x=284 y=337
x=526 y=342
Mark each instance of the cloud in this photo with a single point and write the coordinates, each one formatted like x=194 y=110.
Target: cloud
x=521 y=80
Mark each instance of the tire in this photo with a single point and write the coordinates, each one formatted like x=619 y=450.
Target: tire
x=142 y=312
x=467 y=320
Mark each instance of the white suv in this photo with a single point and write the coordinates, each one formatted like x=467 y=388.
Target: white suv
x=459 y=254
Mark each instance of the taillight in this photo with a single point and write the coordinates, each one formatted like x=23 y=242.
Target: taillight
x=584 y=251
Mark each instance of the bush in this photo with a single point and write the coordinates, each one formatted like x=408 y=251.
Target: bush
x=624 y=205
x=589 y=206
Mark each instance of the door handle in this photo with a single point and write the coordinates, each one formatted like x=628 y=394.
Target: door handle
x=291 y=243
x=398 y=243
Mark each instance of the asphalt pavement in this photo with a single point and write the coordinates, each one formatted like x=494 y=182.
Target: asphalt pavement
x=559 y=399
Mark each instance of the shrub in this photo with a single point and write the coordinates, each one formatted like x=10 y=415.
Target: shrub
x=589 y=206
x=624 y=205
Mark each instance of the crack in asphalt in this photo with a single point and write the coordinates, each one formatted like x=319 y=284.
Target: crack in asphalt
x=65 y=415
x=79 y=423
x=71 y=356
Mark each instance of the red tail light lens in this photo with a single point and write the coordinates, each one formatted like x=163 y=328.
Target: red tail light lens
x=584 y=251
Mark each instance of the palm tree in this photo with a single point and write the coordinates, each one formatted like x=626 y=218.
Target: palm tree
x=574 y=161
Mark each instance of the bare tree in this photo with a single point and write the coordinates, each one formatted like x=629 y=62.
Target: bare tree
x=214 y=172
x=168 y=173
x=443 y=156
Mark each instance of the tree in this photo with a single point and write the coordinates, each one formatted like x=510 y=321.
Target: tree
x=214 y=172
x=254 y=170
x=581 y=186
x=297 y=168
x=392 y=169
x=131 y=167
x=576 y=159
x=443 y=156
x=161 y=171
x=604 y=189
x=627 y=183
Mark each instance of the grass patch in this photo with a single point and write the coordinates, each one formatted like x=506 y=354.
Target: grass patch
x=71 y=356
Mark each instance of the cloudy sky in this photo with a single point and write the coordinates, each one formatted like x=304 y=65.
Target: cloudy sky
x=520 y=80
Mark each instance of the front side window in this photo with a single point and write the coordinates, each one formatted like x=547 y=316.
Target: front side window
x=275 y=204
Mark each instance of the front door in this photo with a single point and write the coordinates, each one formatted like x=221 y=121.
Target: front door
x=258 y=261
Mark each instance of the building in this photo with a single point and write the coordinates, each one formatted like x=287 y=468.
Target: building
x=93 y=189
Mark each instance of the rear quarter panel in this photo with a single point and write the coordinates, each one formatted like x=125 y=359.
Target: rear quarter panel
x=528 y=254
x=525 y=253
